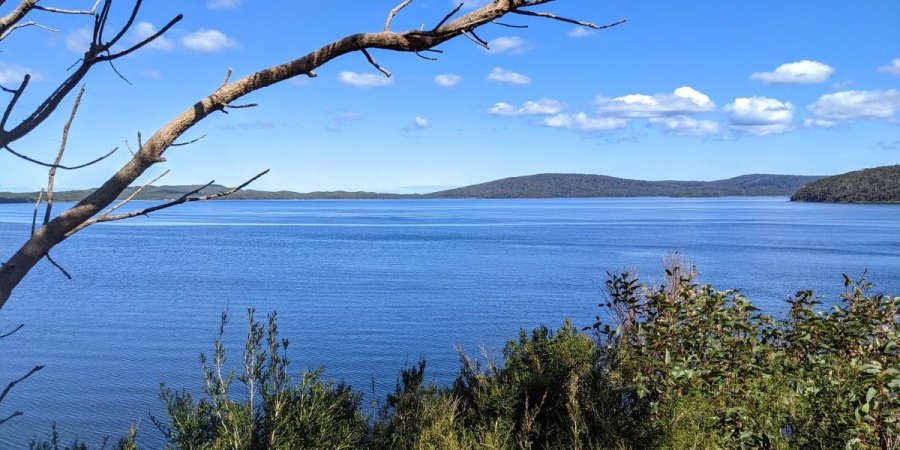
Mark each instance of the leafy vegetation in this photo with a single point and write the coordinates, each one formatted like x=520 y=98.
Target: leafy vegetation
x=876 y=185
x=672 y=366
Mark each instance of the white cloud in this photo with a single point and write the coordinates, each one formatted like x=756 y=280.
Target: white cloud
x=684 y=100
x=760 y=116
x=800 y=72
x=207 y=41
x=685 y=126
x=418 y=124
x=578 y=32
x=150 y=73
x=893 y=68
x=512 y=45
x=842 y=85
x=337 y=122
x=542 y=107
x=851 y=105
x=583 y=123
x=819 y=123
x=364 y=80
x=507 y=76
x=143 y=30
x=79 y=41
x=447 y=80
x=11 y=74
x=223 y=4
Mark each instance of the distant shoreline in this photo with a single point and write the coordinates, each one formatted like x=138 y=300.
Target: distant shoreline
x=551 y=185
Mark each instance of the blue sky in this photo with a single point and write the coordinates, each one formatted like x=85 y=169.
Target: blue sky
x=697 y=90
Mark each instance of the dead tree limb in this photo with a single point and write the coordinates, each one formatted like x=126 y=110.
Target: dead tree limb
x=151 y=151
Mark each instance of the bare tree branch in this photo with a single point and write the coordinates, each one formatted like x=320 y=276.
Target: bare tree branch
x=547 y=15
x=186 y=198
x=151 y=152
x=13 y=383
x=62 y=149
x=372 y=62
x=13 y=331
x=135 y=193
x=387 y=25
x=41 y=163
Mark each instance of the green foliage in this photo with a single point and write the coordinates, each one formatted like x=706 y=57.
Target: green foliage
x=875 y=185
x=674 y=366
x=274 y=411
x=813 y=380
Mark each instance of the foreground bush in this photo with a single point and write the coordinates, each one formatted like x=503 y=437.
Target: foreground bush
x=674 y=366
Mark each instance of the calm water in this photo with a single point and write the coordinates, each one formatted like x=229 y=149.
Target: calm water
x=363 y=287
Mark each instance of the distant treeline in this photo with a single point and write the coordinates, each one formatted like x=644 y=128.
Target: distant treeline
x=550 y=185
x=877 y=185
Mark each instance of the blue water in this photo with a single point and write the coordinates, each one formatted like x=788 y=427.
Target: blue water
x=364 y=287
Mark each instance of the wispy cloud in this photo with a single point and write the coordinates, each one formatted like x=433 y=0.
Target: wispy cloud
x=363 y=80
x=512 y=45
x=760 y=116
x=583 y=123
x=418 y=124
x=578 y=32
x=447 y=80
x=208 y=41
x=685 y=100
x=685 y=126
x=542 y=107
x=800 y=72
x=223 y=4
x=12 y=74
x=507 y=76
x=79 y=40
x=854 y=105
x=144 y=30
x=338 y=122
x=893 y=68
x=245 y=126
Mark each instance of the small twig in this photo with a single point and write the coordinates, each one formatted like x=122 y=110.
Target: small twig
x=68 y=11
x=12 y=332
x=23 y=25
x=62 y=149
x=565 y=19
x=508 y=25
x=420 y=55
x=448 y=16
x=372 y=62
x=140 y=142
x=477 y=41
x=387 y=25
x=56 y=264
x=227 y=77
x=311 y=74
x=41 y=163
x=37 y=206
x=181 y=144
x=117 y=72
x=186 y=198
x=135 y=193
x=13 y=383
x=12 y=103
x=248 y=105
x=14 y=414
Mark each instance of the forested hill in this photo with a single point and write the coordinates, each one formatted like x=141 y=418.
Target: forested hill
x=559 y=185
x=550 y=185
x=876 y=185
x=174 y=192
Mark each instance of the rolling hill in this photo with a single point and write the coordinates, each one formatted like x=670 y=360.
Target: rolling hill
x=549 y=185
x=875 y=185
